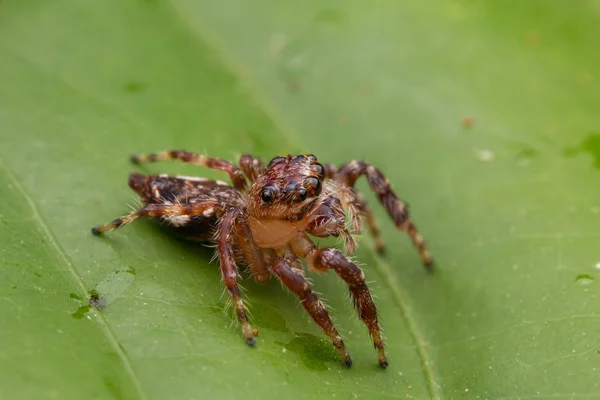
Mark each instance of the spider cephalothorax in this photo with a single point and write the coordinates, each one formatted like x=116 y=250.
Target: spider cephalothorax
x=287 y=189
x=288 y=199
x=266 y=225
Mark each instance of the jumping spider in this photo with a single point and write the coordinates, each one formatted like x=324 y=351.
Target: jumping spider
x=266 y=224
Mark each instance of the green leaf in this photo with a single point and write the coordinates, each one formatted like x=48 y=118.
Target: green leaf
x=483 y=115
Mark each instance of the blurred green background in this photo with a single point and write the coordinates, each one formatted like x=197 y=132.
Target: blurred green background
x=484 y=116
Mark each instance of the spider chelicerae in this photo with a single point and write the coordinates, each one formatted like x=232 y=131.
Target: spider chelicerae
x=265 y=223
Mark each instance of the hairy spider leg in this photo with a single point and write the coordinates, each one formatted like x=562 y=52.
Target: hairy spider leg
x=348 y=173
x=284 y=270
x=365 y=211
x=229 y=269
x=235 y=173
x=330 y=170
x=320 y=260
x=252 y=166
x=158 y=210
x=357 y=208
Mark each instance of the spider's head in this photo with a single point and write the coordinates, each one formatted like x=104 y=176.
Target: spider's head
x=288 y=188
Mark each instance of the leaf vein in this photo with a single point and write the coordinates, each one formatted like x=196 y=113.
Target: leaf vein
x=111 y=337
x=416 y=335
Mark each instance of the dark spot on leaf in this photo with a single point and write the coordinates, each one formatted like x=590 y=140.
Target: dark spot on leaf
x=81 y=312
x=37 y=274
x=584 y=279
x=131 y=270
x=313 y=351
x=96 y=300
x=94 y=295
x=269 y=318
x=75 y=296
x=591 y=145
x=134 y=87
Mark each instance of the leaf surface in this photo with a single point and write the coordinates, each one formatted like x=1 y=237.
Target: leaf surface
x=484 y=118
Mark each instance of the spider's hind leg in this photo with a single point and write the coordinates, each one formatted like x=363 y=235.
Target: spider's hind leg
x=252 y=166
x=182 y=211
x=235 y=173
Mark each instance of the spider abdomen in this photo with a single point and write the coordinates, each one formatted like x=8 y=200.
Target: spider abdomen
x=185 y=190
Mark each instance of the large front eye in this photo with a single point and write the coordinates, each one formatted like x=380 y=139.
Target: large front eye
x=313 y=184
x=302 y=194
x=268 y=194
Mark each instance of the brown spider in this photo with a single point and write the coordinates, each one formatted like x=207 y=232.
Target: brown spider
x=265 y=225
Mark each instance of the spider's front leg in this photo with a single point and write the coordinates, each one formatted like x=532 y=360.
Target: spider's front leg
x=235 y=173
x=284 y=270
x=320 y=260
x=229 y=271
x=347 y=174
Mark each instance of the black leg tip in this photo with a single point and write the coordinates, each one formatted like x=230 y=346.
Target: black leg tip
x=96 y=231
x=251 y=342
x=429 y=264
x=134 y=159
x=381 y=250
x=383 y=364
x=347 y=363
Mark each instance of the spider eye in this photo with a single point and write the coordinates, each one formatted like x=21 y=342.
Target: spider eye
x=319 y=170
x=302 y=194
x=276 y=160
x=313 y=184
x=268 y=194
